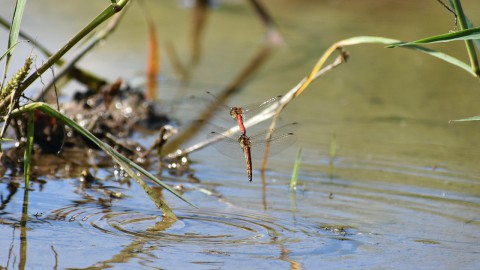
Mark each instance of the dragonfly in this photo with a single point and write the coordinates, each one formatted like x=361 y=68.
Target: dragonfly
x=239 y=113
x=255 y=145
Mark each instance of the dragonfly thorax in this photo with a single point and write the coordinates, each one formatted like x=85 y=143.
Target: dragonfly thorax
x=244 y=141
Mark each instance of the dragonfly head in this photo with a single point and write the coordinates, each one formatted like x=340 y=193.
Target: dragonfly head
x=235 y=112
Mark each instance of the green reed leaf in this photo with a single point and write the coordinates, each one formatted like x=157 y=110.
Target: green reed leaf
x=473 y=118
x=28 y=150
x=296 y=168
x=16 y=22
x=467 y=34
x=393 y=42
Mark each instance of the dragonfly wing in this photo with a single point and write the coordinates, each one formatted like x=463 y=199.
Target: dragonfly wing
x=222 y=113
x=282 y=138
x=277 y=145
x=253 y=108
x=278 y=133
x=226 y=145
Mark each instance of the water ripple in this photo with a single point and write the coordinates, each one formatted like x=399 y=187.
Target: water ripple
x=197 y=227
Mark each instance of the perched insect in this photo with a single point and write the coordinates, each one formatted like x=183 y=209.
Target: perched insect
x=239 y=113
x=255 y=145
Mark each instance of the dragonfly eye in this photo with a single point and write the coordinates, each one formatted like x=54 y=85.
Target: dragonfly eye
x=235 y=111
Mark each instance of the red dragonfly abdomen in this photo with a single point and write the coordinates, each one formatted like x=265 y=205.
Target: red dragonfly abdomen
x=245 y=144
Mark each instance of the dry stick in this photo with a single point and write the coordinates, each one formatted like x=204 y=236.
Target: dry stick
x=153 y=62
x=112 y=25
x=233 y=88
x=153 y=56
x=262 y=13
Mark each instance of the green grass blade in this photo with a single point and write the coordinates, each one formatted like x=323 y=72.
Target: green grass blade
x=28 y=150
x=470 y=25
x=103 y=16
x=333 y=153
x=16 y=21
x=467 y=34
x=296 y=168
x=126 y=164
x=462 y=19
x=13 y=35
x=473 y=118
x=333 y=147
x=9 y=51
x=443 y=56
x=392 y=42
x=467 y=21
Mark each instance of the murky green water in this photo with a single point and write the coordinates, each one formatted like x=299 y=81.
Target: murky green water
x=405 y=184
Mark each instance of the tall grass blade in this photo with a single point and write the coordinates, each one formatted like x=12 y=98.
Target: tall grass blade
x=333 y=153
x=462 y=19
x=9 y=51
x=28 y=150
x=13 y=35
x=103 y=16
x=153 y=60
x=467 y=21
x=28 y=38
x=16 y=22
x=473 y=118
x=393 y=42
x=296 y=168
x=333 y=147
x=467 y=34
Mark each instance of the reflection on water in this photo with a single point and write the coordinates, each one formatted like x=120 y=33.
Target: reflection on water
x=404 y=185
